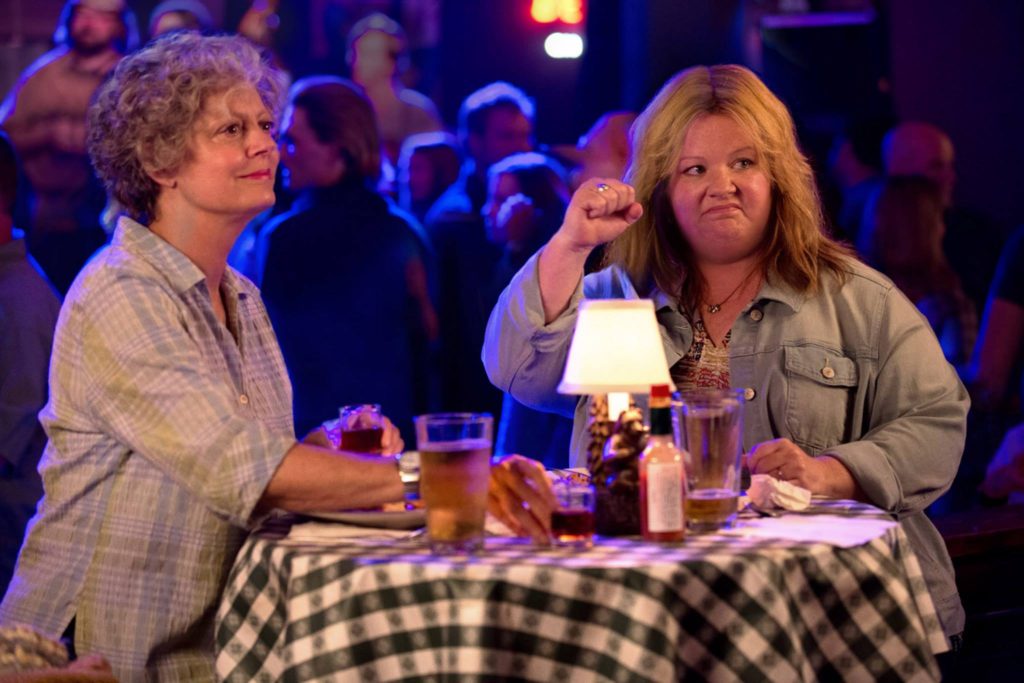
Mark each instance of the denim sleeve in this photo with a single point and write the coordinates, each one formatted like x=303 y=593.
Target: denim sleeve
x=916 y=415
x=521 y=354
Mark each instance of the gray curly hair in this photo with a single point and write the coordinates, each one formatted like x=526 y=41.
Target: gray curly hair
x=142 y=118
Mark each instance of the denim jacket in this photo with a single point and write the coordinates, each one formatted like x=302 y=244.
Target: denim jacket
x=854 y=371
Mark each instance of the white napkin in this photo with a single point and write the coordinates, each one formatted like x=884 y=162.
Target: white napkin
x=844 y=532
x=767 y=492
x=318 y=532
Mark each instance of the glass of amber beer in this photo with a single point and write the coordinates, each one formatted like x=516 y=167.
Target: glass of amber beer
x=455 y=468
x=710 y=424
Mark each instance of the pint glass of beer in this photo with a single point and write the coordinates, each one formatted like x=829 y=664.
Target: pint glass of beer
x=710 y=424
x=455 y=468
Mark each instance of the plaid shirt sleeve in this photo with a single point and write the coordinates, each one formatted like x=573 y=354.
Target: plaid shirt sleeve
x=152 y=387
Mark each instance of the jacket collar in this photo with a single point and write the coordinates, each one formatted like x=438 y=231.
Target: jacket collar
x=774 y=289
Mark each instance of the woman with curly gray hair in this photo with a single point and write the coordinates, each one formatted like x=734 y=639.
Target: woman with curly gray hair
x=170 y=415
x=149 y=118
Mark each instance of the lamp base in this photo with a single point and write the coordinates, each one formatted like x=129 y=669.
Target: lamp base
x=615 y=472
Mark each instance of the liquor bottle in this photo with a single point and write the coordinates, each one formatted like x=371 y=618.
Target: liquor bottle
x=662 y=475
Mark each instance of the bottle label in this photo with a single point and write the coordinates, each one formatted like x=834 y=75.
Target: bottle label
x=665 y=496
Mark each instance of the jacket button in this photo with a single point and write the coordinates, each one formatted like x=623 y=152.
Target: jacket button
x=756 y=314
x=827 y=372
x=749 y=394
x=243 y=399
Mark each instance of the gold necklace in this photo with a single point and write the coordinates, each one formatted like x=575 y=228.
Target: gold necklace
x=715 y=308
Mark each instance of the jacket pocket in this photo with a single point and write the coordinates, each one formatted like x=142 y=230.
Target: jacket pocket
x=820 y=391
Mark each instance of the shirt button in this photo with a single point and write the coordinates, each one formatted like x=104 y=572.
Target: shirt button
x=749 y=394
x=243 y=399
x=827 y=372
x=756 y=315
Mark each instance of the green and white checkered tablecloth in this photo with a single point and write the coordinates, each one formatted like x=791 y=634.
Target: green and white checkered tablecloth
x=714 y=608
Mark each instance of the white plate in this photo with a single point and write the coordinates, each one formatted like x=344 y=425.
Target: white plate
x=378 y=519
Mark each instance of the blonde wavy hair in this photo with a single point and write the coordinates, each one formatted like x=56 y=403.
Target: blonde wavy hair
x=142 y=119
x=654 y=252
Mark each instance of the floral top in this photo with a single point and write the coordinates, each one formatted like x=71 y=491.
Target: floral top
x=704 y=365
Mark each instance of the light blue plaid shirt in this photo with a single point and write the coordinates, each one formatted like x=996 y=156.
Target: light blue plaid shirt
x=164 y=428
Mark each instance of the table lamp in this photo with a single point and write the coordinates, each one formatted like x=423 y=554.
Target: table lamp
x=616 y=350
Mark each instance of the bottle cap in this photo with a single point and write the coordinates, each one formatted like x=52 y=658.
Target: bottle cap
x=660 y=391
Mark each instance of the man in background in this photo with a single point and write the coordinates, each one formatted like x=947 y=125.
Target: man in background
x=496 y=121
x=972 y=242
x=376 y=55
x=44 y=115
x=28 y=315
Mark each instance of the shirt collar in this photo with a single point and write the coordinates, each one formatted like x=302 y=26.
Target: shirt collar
x=662 y=299
x=140 y=241
x=234 y=284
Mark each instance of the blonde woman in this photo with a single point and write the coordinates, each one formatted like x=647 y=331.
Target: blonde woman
x=719 y=223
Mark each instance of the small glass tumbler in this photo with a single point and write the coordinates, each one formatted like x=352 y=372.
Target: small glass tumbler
x=572 y=524
x=362 y=428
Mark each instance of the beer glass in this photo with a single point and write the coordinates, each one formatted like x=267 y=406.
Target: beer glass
x=710 y=434
x=455 y=469
x=361 y=427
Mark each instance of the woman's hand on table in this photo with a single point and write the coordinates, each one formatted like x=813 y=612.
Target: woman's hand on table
x=520 y=496
x=391 y=442
x=822 y=475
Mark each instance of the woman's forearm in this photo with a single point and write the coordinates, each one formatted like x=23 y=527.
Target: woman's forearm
x=311 y=478
x=559 y=271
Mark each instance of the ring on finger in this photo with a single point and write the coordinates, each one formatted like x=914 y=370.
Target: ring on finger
x=603 y=187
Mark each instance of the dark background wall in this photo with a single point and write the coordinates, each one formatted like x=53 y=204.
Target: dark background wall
x=958 y=64
x=961 y=66
x=488 y=41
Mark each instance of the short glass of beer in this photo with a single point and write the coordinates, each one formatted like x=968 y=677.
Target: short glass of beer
x=710 y=434
x=455 y=469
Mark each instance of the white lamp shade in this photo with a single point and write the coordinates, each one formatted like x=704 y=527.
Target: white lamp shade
x=616 y=347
